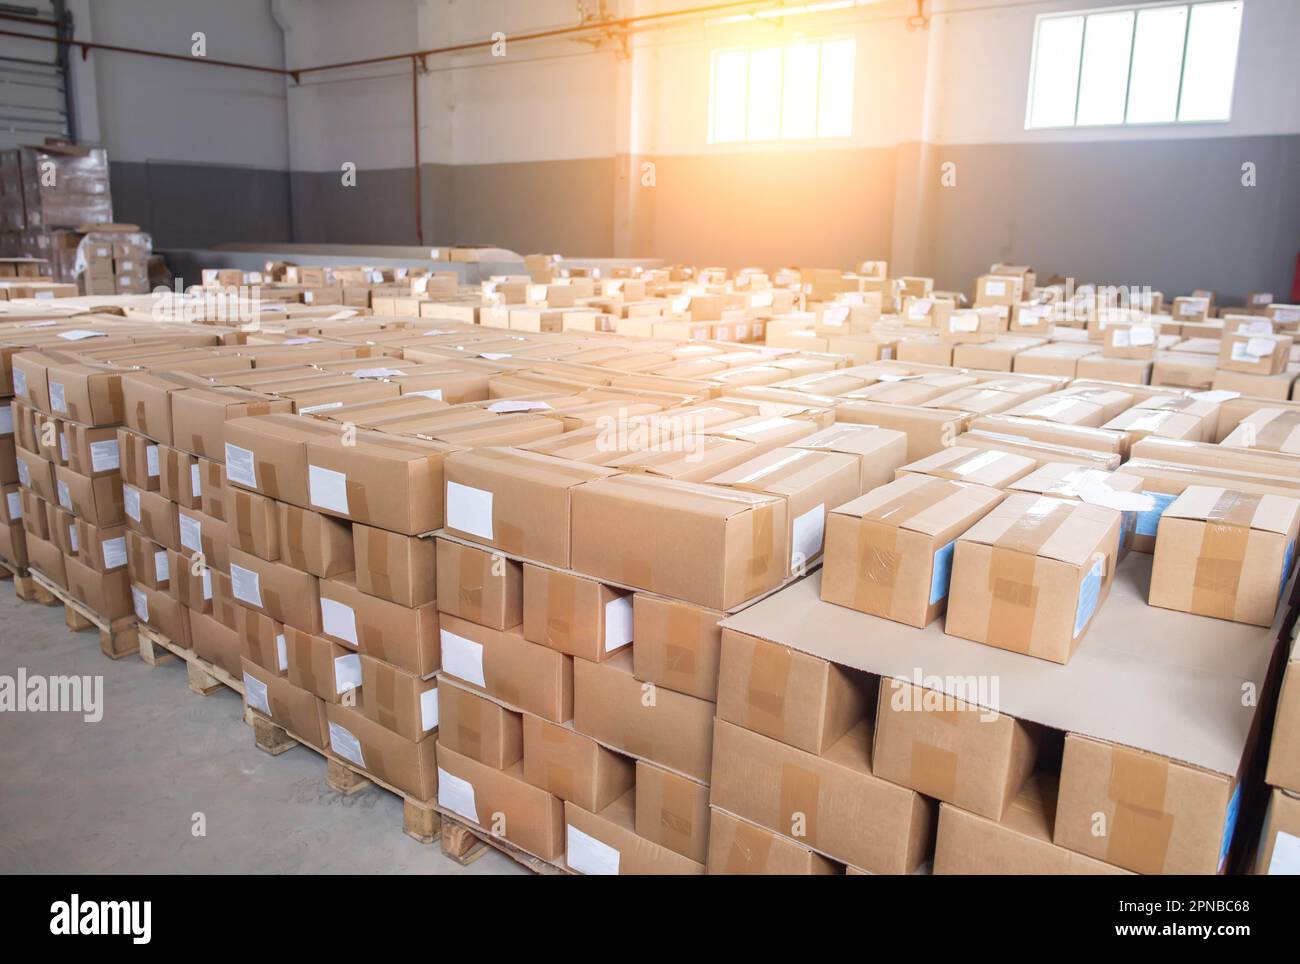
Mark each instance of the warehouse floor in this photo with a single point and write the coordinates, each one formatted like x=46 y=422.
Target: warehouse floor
x=121 y=795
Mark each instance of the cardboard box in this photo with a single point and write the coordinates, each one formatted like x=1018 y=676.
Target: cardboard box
x=950 y=749
x=298 y=711
x=1255 y=354
x=516 y=501
x=139 y=460
x=1284 y=753
x=672 y=811
x=99 y=500
x=146 y=401
x=1157 y=816
x=269 y=454
x=407 y=638
x=47 y=559
x=212 y=488
x=740 y=848
x=890 y=552
x=478 y=727
x=879 y=450
x=411 y=767
x=480 y=586
x=573 y=767
x=508 y=667
x=1019 y=843
x=104 y=593
x=102 y=548
x=179 y=479
x=1030 y=576
x=147 y=562
x=705 y=544
x=502 y=802
x=199 y=533
x=1278 y=387
x=254 y=525
x=262 y=638
x=89 y=394
x=321 y=666
x=987 y=467
x=830 y=802
x=1267 y=429
x=927 y=429
x=216 y=643
x=190 y=582
x=151 y=515
x=606 y=843
x=91 y=451
x=1224 y=553
x=1279 y=843
x=314 y=542
x=400 y=701
x=575 y=615
x=679 y=645
x=788 y=695
x=199 y=417
x=394 y=567
x=671 y=729
x=285 y=594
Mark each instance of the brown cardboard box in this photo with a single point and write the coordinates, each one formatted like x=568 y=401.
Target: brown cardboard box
x=190 y=582
x=1279 y=843
x=90 y=394
x=254 y=522
x=276 y=590
x=705 y=544
x=830 y=802
x=1141 y=811
x=1205 y=410
x=1267 y=429
x=216 y=643
x=957 y=751
x=321 y=666
x=575 y=615
x=508 y=667
x=63 y=529
x=151 y=515
x=391 y=566
x=1019 y=843
x=987 y=467
x=160 y=610
x=890 y=552
x=99 y=500
x=1278 y=387
x=502 y=802
x=679 y=645
x=516 y=501
x=411 y=767
x=1137 y=341
x=1254 y=354
x=672 y=811
x=1224 y=553
x=37 y=473
x=879 y=450
x=298 y=711
x=1065 y=409
x=139 y=460
x=1139 y=423
x=91 y=451
x=606 y=843
x=478 y=727
x=481 y=586
x=13 y=544
x=398 y=700
x=102 y=548
x=47 y=559
x=407 y=638
x=572 y=766
x=263 y=640
x=1180 y=370
x=668 y=728
x=146 y=561
x=788 y=695
x=179 y=479
x=927 y=429
x=269 y=454
x=1134 y=371
x=1284 y=753
x=1053 y=433
x=740 y=848
x=314 y=542
x=1031 y=574
x=199 y=533
x=199 y=417
x=105 y=593
x=212 y=488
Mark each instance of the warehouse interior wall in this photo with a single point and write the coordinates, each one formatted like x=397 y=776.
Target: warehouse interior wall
x=565 y=146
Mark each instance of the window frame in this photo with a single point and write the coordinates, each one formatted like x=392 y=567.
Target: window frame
x=1135 y=9
x=749 y=49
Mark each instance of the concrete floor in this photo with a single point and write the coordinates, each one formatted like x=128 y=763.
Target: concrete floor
x=120 y=795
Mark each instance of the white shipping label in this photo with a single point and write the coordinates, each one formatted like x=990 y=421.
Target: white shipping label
x=1287 y=315
x=469 y=510
x=920 y=308
x=24 y=474
x=434 y=393
x=761 y=299
x=338 y=620
x=191 y=532
x=462 y=658
x=300 y=341
x=1258 y=327
x=457 y=795
x=511 y=405
x=14 y=503
x=1261 y=347
x=618 y=622
x=346 y=745
x=835 y=316
x=328 y=489
x=323 y=407
x=141 y=604
x=196 y=481
x=809 y=529
x=104 y=456
x=995 y=288
x=161 y=568
x=114 y=551
x=347 y=672
x=429 y=709
x=246 y=585
x=20 y=382
x=1120 y=338
x=281 y=652
x=241 y=467
x=377 y=373
x=65 y=496
x=255 y=694
x=58 y=398
x=72 y=538
x=1142 y=335
x=207 y=584
x=587 y=855
x=6 y=420
x=964 y=321
x=63 y=446
x=81 y=335
x=151 y=459
x=1286 y=854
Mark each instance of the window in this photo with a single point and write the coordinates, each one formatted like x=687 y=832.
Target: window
x=798 y=91
x=1153 y=64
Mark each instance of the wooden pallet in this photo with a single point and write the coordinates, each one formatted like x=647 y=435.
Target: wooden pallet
x=420 y=819
x=117 y=639
x=25 y=587
x=204 y=677
x=465 y=843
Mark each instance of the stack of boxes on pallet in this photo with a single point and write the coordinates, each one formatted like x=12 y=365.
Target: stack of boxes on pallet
x=1279 y=844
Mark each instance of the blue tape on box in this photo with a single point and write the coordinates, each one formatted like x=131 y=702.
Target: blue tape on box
x=1089 y=593
x=1149 y=521
x=941 y=574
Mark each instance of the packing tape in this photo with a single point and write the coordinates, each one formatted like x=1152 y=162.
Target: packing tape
x=769 y=679
x=372 y=640
x=750 y=849
x=376 y=563
x=1013 y=561
x=677 y=812
x=469 y=723
x=1140 y=829
x=681 y=642
x=386 y=708
x=142 y=419
x=763 y=551
x=800 y=794
x=1217 y=576
x=1278 y=431
x=474 y=569
x=295 y=523
x=267 y=477
x=877 y=569
x=116 y=400
x=560 y=610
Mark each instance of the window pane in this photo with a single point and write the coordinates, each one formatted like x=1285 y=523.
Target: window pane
x=835 y=96
x=1211 y=62
x=1103 y=80
x=1056 y=72
x=1157 y=64
x=727 y=120
x=799 y=97
x=765 y=94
